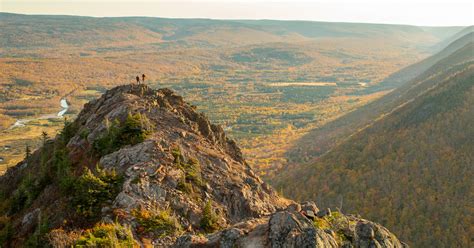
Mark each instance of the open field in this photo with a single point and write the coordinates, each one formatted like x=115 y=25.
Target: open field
x=281 y=84
x=13 y=141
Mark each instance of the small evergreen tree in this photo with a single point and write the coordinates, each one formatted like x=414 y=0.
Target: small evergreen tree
x=45 y=137
x=209 y=220
x=27 y=152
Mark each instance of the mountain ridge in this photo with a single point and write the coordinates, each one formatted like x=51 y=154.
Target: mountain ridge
x=144 y=167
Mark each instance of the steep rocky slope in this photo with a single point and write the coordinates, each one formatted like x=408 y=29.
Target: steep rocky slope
x=140 y=167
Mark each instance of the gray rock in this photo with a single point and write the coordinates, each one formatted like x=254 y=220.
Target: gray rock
x=173 y=177
x=30 y=219
x=282 y=229
x=105 y=210
x=369 y=234
x=294 y=207
x=324 y=212
x=310 y=214
x=364 y=230
x=309 y=206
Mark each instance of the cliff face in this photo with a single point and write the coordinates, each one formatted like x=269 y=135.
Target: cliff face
x=140 y=167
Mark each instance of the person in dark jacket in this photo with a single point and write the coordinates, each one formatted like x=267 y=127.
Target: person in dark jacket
x=138 y=79
x=143 y=78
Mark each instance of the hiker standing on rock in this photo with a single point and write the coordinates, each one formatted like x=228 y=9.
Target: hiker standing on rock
x=138 y=79
x=143 y=78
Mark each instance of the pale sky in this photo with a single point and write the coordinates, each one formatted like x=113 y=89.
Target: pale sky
x=414 y=12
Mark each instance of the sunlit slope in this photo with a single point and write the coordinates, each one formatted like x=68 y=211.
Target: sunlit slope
x=320 y=140
x=412 y=169
x=410 y=72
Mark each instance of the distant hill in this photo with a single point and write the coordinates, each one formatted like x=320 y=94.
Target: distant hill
x=411 y=169
x=444 y=43
x=49 y=31
x=409 y=82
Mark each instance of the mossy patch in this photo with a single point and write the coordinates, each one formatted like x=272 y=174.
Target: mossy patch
x=94 y=189
x=336 y=222
x=135 y=129
x=107 y=235
x=210 y=220
x=192 y=180
x=321 y=223
x=160 y=222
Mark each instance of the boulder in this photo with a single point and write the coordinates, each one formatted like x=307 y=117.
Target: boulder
x=323 y=212
x=309 y=206
x=294 y=207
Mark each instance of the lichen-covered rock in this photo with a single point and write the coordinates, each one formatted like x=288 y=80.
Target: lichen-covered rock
x=369 y=234
x=309 y=206
x=285 y=229
x=292 y=229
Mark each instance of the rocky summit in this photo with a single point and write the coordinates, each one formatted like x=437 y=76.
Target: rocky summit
x=142 y=168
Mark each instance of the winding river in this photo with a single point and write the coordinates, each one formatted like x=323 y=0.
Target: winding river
x=64 y=108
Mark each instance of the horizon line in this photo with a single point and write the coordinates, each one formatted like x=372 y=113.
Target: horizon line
x=234 y=19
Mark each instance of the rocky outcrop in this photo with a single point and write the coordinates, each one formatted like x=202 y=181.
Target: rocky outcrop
x=162 y=106
x=152 y=175
x=189 y=170
x=290 y=228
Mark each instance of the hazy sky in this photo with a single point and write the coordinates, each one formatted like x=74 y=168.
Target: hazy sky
x=416 y=12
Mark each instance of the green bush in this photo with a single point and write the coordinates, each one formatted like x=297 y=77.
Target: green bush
x=321 y=223
x=38 y=238
x=6 y=230
x=68 y=131
x=162 y=223
x=27 y=192
x=184 y=186
x=106 y=143
x=62 y=165
x=337 y=222
x=191 y=169
x=84 y=133
x=209 y=221
x=92 y=191
x=107 y=235
x=134 y=130
x=337 y=219
x=178 y=157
